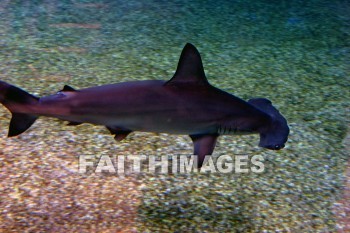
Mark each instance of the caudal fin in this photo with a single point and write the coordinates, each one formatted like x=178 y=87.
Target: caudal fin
x=16 y=100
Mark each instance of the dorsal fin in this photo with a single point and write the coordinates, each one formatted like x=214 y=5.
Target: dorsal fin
x=68 y=88
x=190 y=68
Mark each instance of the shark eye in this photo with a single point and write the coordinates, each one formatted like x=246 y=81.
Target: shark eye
x=274 y=147
x=277 y=147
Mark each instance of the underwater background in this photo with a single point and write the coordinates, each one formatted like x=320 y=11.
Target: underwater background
x=295 y=53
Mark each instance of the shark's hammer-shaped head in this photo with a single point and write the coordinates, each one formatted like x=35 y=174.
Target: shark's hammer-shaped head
x=275 y=133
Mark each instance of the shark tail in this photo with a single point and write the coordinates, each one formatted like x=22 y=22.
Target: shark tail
x=15 y=99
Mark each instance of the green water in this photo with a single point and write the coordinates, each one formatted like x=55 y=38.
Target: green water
x=295 y=53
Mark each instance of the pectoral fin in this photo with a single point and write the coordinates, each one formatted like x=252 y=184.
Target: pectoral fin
x=120 y=133
x=73 y=123
x=203 y=145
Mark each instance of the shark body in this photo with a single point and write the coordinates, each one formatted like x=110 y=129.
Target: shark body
x=186 y=104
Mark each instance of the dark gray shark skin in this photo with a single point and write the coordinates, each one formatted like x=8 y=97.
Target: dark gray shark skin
x=186 y=104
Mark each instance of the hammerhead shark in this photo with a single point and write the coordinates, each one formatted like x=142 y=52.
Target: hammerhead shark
x=185 y=104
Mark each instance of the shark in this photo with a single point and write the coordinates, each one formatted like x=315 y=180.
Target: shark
x=187 y=104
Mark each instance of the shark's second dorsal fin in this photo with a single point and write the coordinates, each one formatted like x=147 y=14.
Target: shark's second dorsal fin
x=190 y=68
x=68 y=88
